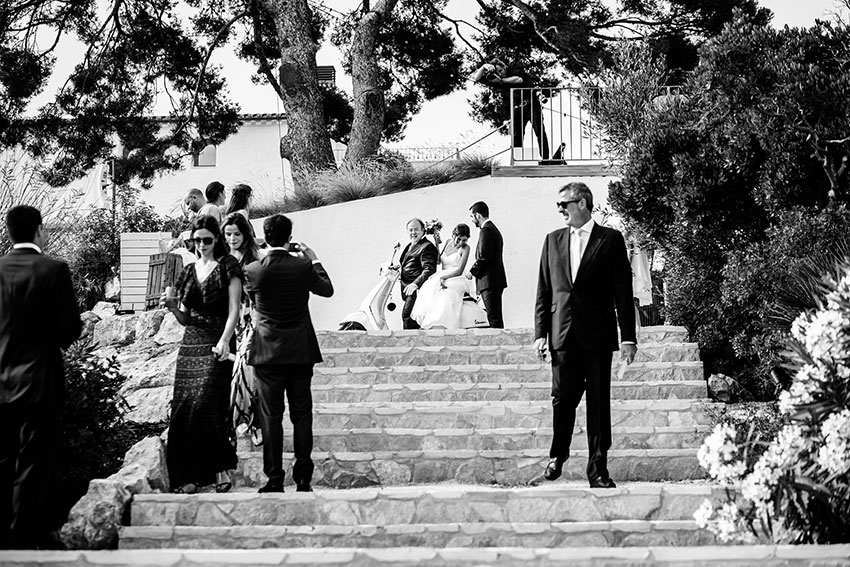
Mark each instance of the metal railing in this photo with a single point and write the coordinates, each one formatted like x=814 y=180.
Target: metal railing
x=562 y=129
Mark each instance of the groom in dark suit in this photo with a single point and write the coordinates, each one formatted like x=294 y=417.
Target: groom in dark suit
x=38 y=317
x=584 y=277
x=285 y=348
x=418 y=262
x=489 y=268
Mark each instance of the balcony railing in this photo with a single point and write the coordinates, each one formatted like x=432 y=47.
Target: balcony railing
x=561 y=128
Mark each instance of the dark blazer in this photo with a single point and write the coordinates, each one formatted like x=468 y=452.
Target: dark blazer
x=603 y=284
x=38 y=317
x=418 y=262
x=281 y=285
x=489 y=268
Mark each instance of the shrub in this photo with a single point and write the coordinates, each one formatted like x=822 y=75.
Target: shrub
x=798 y=491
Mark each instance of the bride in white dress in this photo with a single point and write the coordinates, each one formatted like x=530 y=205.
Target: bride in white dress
x=439 y=301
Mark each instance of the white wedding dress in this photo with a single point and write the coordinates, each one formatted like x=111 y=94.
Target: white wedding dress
x=440 y=307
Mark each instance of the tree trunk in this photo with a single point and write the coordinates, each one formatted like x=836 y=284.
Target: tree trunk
x=370 y=105
x=307 y=142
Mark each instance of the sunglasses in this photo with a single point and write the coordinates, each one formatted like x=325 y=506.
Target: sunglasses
x=205 y=240
x=563 y=204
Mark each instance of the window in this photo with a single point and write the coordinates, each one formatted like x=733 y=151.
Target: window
x=204 y=158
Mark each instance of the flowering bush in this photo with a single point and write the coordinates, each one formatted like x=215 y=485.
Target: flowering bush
x=433 y=226
x=798 y=490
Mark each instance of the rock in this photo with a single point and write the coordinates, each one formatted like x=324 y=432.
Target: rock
x=150 y=405
x=133 y=478
x=149 y=453
x=104 y=309
x=149 y=323
x=94 y=521
x=725 y=389
x=170 y=331
x=147 y=368
x=118 y=330
x=89 y=319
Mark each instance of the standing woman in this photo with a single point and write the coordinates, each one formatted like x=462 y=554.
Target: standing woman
x=240 y=201
x=243 y=395
x=209 y=294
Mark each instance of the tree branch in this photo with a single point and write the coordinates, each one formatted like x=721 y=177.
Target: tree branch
x=265 y=67
x=457 y=28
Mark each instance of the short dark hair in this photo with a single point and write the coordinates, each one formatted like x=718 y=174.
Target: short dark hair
x=481 y=208
x=213 y=191
x=22 y=223
x=208 y=222
x=277 y=229
x=461 y=230
x=579 y=191
x=416 y=219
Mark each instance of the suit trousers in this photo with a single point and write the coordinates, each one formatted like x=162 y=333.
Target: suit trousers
x=29 y=435
x=273 y=382
x=576 y=371
x=409 y=300
x=492 y=299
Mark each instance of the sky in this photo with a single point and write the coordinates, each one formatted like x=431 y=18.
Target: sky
x=444 y=122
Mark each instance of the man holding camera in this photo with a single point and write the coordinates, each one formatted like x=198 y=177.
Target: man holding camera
x=285 y=348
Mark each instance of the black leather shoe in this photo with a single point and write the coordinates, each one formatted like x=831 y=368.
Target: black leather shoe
x=303 y=488
x=272 y=487
x=602 y=483
x=553 y=469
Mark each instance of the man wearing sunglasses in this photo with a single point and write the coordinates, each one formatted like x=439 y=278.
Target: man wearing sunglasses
x=584 y=291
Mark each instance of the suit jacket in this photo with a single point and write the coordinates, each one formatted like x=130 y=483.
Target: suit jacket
x=489 y=268
x=418 y=262
x=38 y=317
x=281 y=285
x=603 y=283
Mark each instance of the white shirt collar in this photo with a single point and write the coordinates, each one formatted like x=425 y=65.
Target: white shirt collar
x=29 y=245
x=586 y=227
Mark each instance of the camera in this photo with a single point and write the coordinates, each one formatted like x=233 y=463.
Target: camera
x=294 y=247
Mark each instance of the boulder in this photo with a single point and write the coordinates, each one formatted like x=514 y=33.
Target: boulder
x=104 y=309
x=150 y=405
x=149 y=454
x=148 y=324
x=147 y=367
x=170 y=331
x=117 y=330
x=94 y=520
x=133 y=478
x=723 y=388
x=89 y=319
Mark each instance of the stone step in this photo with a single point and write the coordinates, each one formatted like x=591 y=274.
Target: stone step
x=505 y=391
x=656 y=556
x=688 y=371
x=620 y=533
x=557 y=502
x=471 y=337
x=375 y=439
x=506 y=468
x=487 y=354
x=497 y=415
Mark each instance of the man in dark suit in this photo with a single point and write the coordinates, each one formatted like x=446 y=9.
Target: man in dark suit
x=418 y=263
x=489 y=268
x=285 y=348
x=584 y=276
x=38 y=317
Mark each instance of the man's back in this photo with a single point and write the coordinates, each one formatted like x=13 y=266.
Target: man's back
x=38 y=316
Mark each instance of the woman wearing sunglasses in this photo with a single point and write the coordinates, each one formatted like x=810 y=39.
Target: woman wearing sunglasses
x=207 y=302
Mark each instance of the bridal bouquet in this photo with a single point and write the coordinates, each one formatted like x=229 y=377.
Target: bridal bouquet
x=433 y=226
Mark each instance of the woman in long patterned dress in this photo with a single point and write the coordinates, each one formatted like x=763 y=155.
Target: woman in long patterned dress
x=243 y=397
x=199 y=450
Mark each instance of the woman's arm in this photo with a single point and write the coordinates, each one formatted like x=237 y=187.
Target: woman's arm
x=464 y=256
x=234 y=303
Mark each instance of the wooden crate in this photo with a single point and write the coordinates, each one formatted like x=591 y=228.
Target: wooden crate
x=163 y=271
x=136 y=250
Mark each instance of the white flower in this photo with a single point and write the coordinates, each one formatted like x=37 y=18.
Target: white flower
x=834 y=455
x=718 y=454
x=807 y=384
x=822 y=333
x=704 y=513
x=782 y=454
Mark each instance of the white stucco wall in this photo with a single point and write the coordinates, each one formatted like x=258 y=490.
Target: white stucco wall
x=352 y=239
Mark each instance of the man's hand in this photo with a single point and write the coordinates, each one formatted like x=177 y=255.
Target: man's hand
x=308 y=252
x=628 y=352
x=541 y=346
x=468 y=275
x=410 y=289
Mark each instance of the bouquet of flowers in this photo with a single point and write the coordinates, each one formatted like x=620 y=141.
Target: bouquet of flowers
x=433 y=226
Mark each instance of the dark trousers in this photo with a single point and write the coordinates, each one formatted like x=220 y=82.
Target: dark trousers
x=576 y=371
x=492 y=299
x=530 y=110
x=29 y=435
x=273 y=382
x=407 y=309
